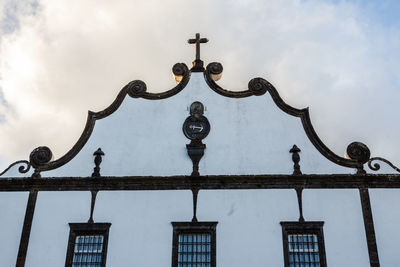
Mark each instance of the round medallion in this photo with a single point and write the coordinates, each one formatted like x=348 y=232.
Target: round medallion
x=196 y=126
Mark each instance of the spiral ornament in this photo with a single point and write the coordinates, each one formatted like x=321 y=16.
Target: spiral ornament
x=22 y=169
x=376 y=166
x=179 y=69
x=258 y=86
x=215 y=68
x=359 y=152
x=136 y=88
x=40 y=156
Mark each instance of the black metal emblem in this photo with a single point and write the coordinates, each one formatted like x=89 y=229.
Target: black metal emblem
x=196 y=127
x=198 y=63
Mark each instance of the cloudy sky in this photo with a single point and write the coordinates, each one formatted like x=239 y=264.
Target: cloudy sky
x=60 y=58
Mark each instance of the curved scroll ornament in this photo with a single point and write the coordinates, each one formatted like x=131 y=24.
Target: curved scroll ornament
x=22 y=169
x=180 y=69
x=216 y=68
x=377 y=166
x=40 y=156
x=258 y=86
x=135 y=89
x=358 y=153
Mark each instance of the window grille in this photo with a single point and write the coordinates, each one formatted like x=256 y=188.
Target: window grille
x=194 y=244
x=303 y=244
x=87 y=245
x=88 y=251
x=194 y=250
x=303 y=250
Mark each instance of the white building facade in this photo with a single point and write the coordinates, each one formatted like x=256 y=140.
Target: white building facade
x=246 y=181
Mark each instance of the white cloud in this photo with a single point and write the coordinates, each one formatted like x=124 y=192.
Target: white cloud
x=69 y=56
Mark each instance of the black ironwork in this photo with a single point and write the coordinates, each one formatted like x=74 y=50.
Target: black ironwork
x=360 y=153
x=97 y=161
x=134 y=183
x=296 y=159
x=87 y=244
x=369 y=228
x=26 y=229
x=94 y=116
x=376 y=166
x=98 y=154
x=357 y=151
x=299 y=193
x=92 y=204
x=195 y=192
x=196 y=127
x=198 y=63
x=195 y=151
x=136 y=88
x=180 y=69
x=21 y=169
x=194 y=243
x=39 y=157
x=257 y=86
x=215 y=68
x=303 y=244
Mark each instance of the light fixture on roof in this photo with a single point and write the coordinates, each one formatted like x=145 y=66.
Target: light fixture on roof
x=215 y=70
x=179 y=70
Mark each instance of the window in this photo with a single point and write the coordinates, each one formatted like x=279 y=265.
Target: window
x=87 y=245
x=194 y=244
x=303 y=244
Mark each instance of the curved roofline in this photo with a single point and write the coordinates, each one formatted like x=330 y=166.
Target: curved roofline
x=40 y=158
x=358 y=152
x=134 y=89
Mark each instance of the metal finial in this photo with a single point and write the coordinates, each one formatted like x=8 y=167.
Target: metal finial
x=296 y=159
x=97 y=161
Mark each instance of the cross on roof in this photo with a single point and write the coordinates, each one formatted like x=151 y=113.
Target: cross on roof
x=198 y=41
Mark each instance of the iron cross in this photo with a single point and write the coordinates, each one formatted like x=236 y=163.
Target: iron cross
x=198 y=41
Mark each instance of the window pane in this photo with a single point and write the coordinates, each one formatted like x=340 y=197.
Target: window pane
x=88 y=249
x=303 y=250
x=194 y=250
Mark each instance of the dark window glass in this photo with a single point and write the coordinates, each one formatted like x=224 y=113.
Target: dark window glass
x=303 y=250
x=87 y=245
x=194 y=244
x=88 y=251
x=194 y=250
x=303 y=244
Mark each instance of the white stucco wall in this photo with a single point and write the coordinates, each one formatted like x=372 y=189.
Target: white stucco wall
x=248 y=136
x=50 y=229
x=345 y=240
x=384 y=205
x=248 y=231
x=12 y=210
